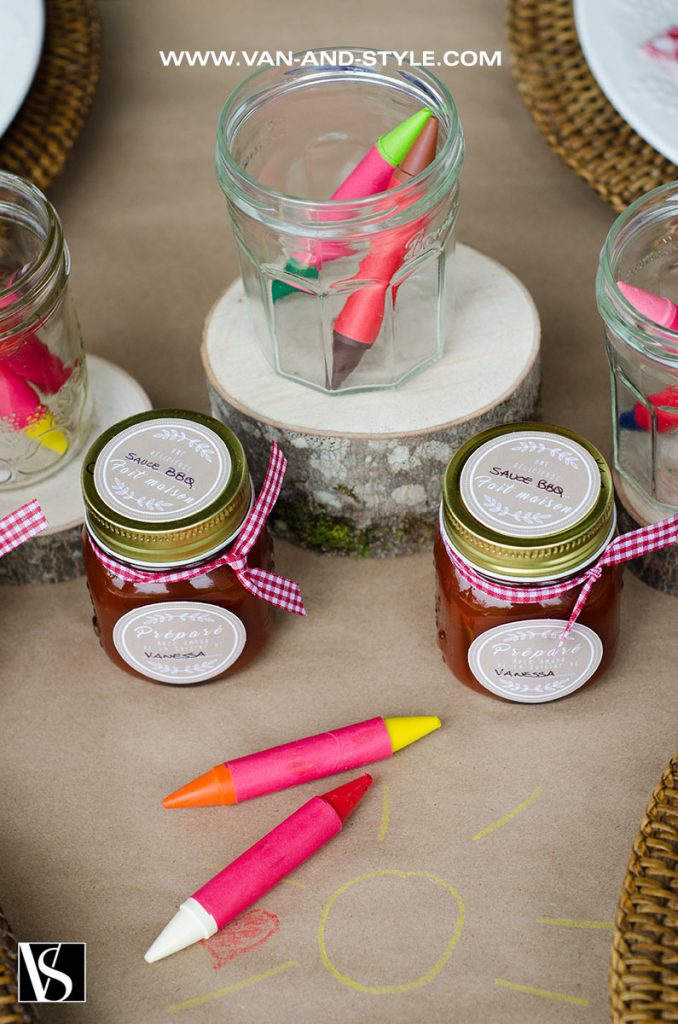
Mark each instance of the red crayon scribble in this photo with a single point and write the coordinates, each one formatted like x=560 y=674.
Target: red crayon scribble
x=244 y=934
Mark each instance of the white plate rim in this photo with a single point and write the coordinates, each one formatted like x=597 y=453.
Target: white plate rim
x=590 y=13
x=22 y=68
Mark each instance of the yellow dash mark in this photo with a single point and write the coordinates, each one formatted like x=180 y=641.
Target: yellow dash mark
x=385 y=814
x=291 y=881
x=564 y=922
x=510 y=814
x=199 y=1000
x=544 y=993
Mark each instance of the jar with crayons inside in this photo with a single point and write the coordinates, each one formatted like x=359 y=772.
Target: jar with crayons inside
x=527 y=510
x=341 y=176
x=178 y=555
x=45 y=408
x=637 y=291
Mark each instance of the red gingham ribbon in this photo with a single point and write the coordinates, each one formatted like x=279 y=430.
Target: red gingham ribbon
x=20 y=525
x=275 y=589
x=621 y=549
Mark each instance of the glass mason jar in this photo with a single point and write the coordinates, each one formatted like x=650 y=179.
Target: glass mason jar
x=287 y=137
x=166 y=491
x=45 y=410
x=642 y=250
x=525 y=506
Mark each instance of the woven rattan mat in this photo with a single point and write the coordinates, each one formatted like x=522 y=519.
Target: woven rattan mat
x=10 y=1011
x=644 y=967
x=39 y=140
x=571 y=112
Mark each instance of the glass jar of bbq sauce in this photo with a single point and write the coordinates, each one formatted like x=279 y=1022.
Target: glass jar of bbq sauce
x=527 y=509
x=165 y=493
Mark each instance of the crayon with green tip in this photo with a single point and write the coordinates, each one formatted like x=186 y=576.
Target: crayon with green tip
x=372 y=175
x=292 y=764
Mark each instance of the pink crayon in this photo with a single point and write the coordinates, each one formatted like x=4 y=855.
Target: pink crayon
x=21 y=407
x=305 y=760
x=370 y=176
x=257 y=870
x=29 y=357
x=654 y=307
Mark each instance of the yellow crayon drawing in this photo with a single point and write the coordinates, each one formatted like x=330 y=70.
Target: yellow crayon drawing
x=566 y=922
x=543 y=992
x=509 y=814
x=293 y=881
x=385 y=814
x=424 y=979
x=199 y=1000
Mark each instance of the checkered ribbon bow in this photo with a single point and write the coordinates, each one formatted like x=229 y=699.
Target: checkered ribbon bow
x=275 y=589
x=20 y=525
x=621 y=549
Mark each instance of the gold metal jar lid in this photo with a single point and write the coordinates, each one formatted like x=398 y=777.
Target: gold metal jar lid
x=528 y=501
x=165 y=487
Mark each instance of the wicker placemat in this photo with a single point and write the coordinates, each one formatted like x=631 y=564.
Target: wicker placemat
x=39 y=140
x=571 y=112
x=10 y=1011
x=644 y=967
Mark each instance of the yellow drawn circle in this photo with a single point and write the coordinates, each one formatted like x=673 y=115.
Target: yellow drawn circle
x=424 y=979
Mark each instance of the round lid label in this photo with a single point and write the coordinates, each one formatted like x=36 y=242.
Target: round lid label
x=180 y=641
x=522 y=661
x=530 y=483
x=162 y=470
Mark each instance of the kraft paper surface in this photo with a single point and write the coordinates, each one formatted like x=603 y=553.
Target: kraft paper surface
x=479 y=877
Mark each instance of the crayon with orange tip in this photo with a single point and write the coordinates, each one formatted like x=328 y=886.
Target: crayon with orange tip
x=291 y=764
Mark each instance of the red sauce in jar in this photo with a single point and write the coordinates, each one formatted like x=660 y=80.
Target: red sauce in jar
x=526 y=507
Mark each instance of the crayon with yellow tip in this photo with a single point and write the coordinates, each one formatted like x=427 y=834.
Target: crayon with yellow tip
x=22 y=408
x=292 y=764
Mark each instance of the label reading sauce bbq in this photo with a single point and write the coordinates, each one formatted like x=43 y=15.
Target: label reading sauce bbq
x=522 y=661
x=161 y=470
x=180 y=641
x=530 y=483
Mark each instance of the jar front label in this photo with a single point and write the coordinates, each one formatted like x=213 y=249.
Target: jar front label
x=162 y=470
x=522 y=661
x=530 y=483
x=180 y=641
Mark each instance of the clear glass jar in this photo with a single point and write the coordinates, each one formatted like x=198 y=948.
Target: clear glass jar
x=167 y=491
x=525 y=506
x=45 y=410
x=287 y=138
x=642 y=250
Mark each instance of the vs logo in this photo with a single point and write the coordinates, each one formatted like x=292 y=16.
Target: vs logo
x=51 y=972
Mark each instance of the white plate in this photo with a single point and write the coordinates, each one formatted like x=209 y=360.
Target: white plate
x=610 y=33
x=22 y=28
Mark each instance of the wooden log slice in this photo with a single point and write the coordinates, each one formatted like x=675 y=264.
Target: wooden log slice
x=54 y=555
x=365 y=469
x=659 y=569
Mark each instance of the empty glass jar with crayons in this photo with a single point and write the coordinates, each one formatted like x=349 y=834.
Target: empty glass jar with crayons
x=342 y=179
x=44 y=406
x=638 y=302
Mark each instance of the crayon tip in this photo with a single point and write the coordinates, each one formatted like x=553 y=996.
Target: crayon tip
x=346 y=798
x=654 y=307
x=211 y=789
x=420 y=155
x=627 y=420
x=45 y=432
x=403 y=731
x=395 y=144
x=190 y=924
x=279 y=289
x=346 y=354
